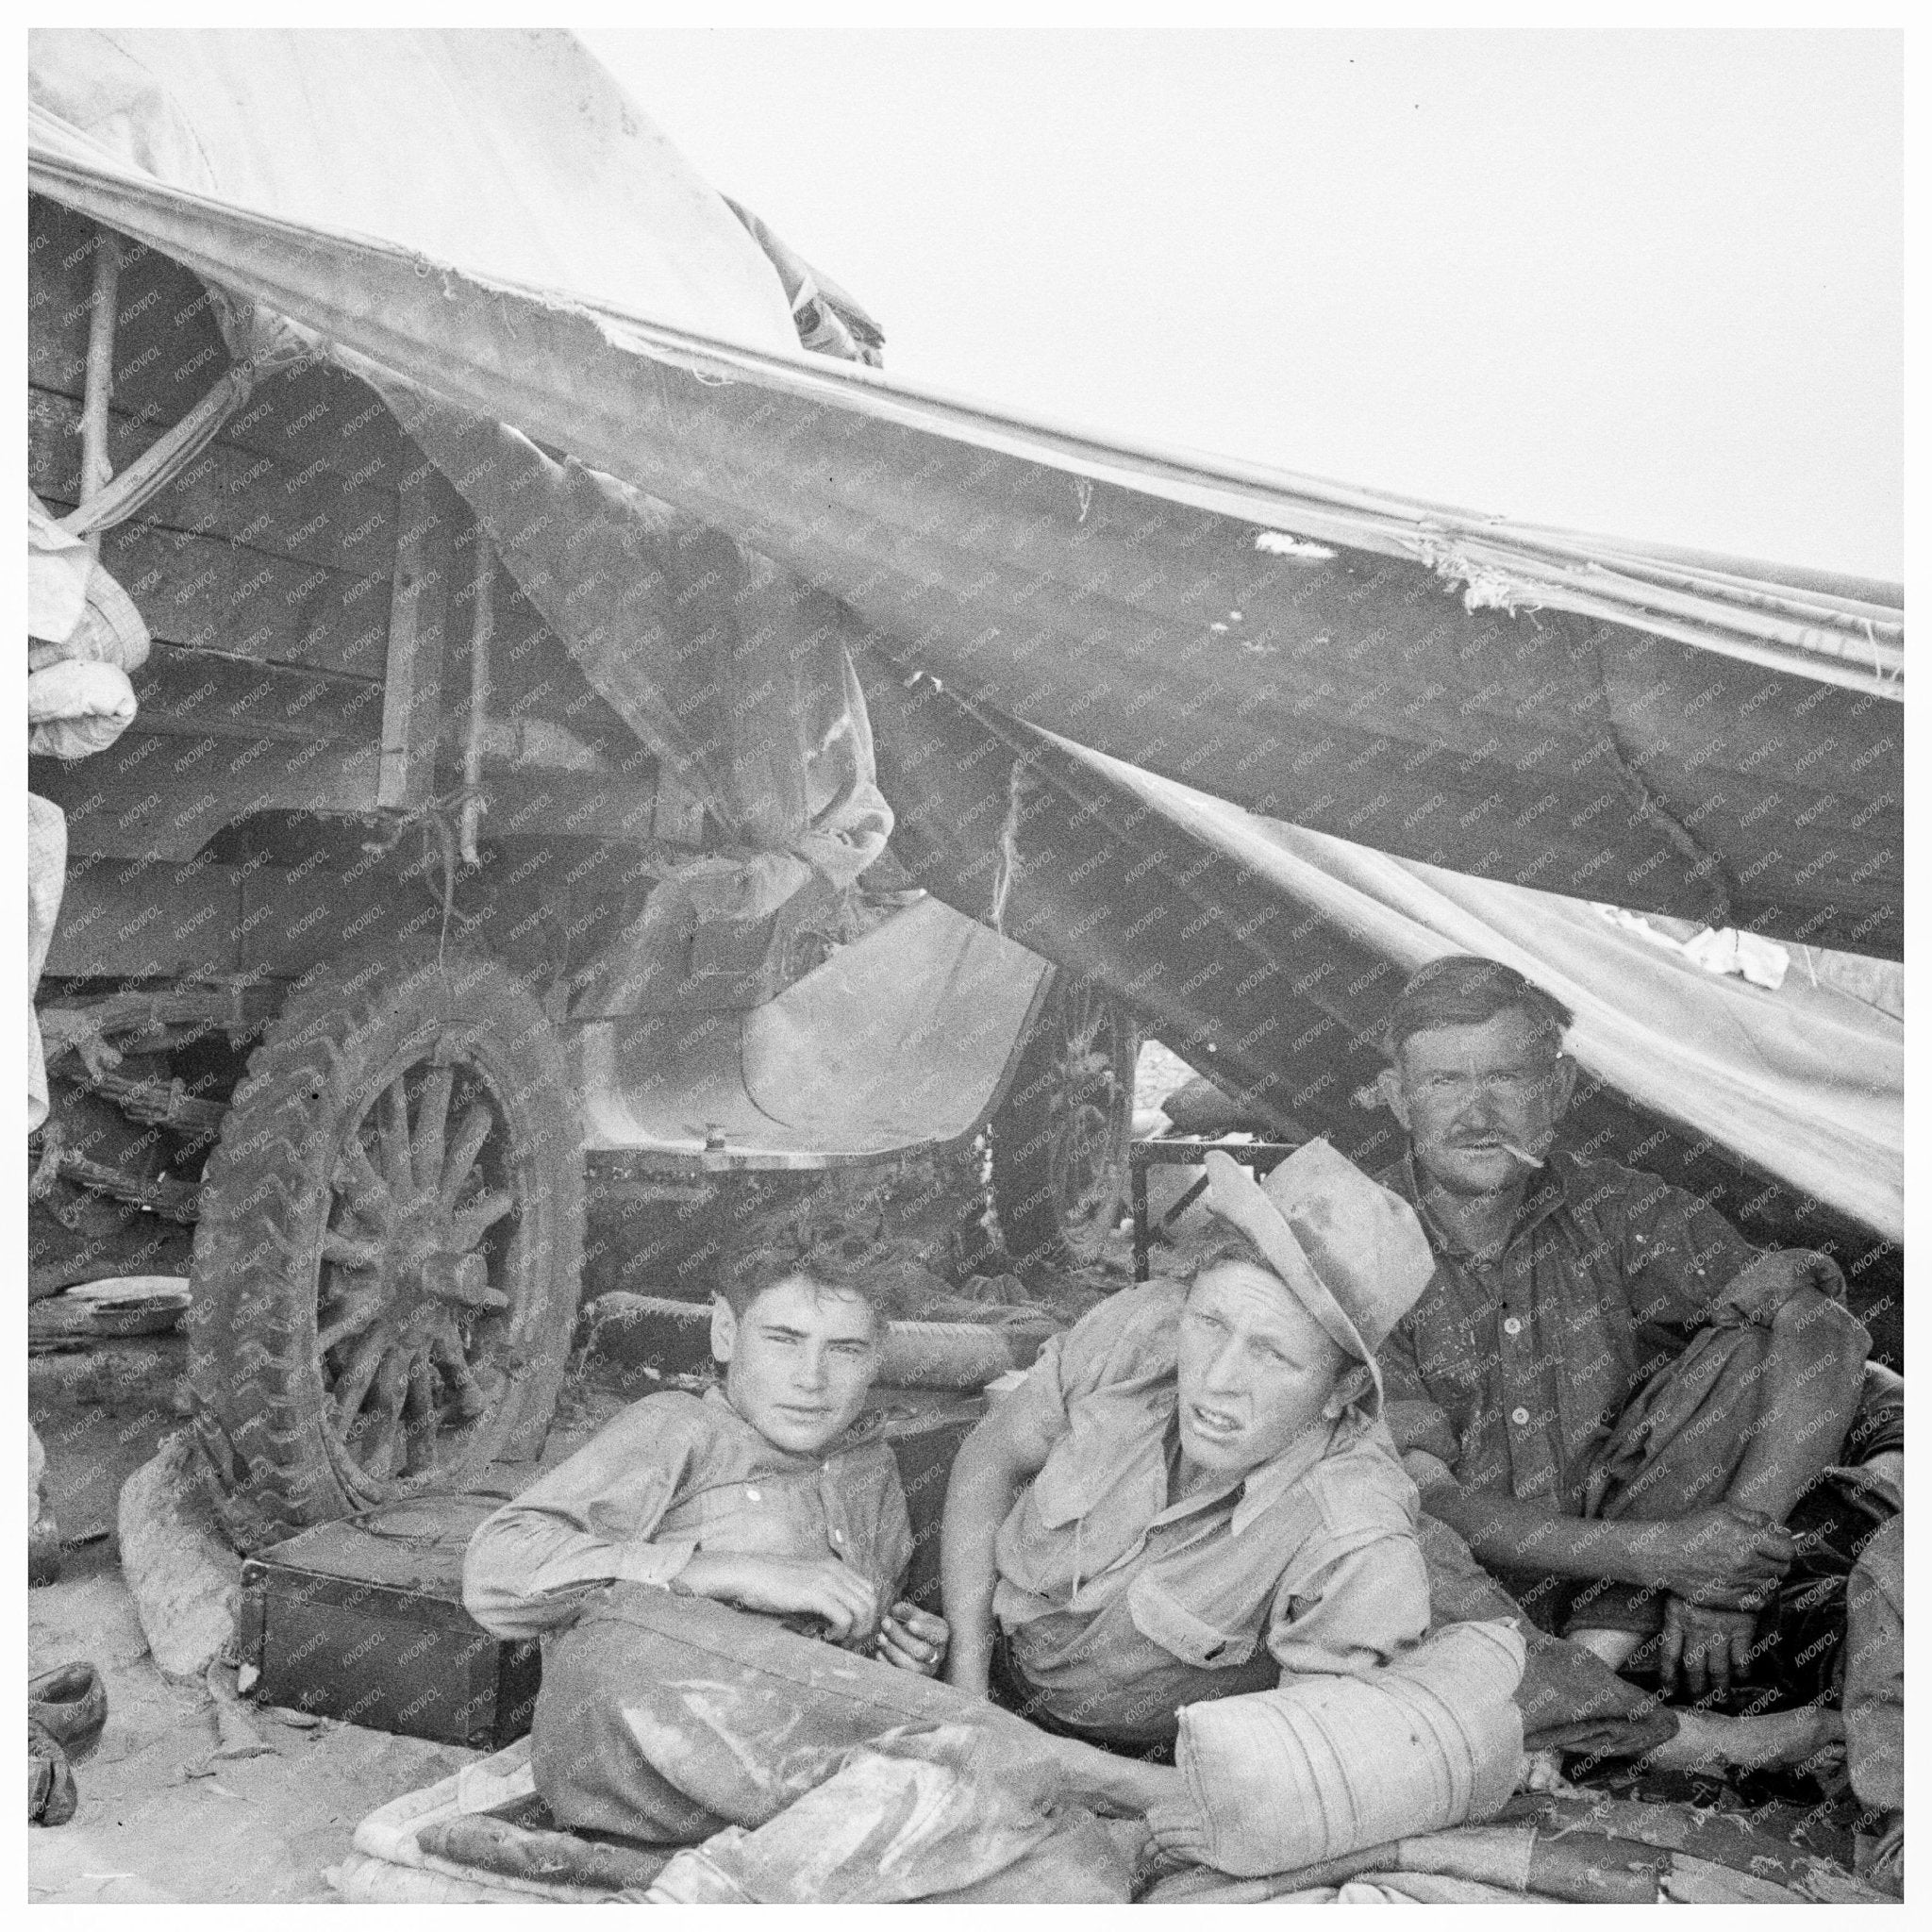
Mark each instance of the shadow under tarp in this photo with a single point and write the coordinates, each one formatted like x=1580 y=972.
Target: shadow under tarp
x=1267 y=958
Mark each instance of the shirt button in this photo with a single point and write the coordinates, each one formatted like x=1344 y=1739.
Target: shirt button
x=1512 y=1324
x=838 y=1536
x=751 y=1495
x=1520 y=1417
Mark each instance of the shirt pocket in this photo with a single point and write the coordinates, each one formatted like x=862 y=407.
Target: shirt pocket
x=1163 y=1619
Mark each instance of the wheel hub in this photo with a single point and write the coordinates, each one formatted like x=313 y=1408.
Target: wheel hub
x=408 y=1323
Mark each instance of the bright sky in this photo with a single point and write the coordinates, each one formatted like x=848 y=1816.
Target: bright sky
x=1642 y=283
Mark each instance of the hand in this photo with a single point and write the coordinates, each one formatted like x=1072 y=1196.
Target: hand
x=1726 y=1556
x=912 y=1640
x=1708 y=1644
x=1426 y=1471
x=815 y=1586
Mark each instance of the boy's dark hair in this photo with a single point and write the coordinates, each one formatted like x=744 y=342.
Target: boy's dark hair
x=1465 y=989
x=761 y=1263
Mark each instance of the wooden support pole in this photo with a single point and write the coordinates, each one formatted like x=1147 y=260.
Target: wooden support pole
x=481 y=618
x=96 y=469
x=419 y=603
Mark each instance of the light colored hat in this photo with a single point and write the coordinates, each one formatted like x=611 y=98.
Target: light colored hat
x=1349 y=1250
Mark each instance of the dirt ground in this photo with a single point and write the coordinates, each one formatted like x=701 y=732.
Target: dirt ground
x=160 y=1817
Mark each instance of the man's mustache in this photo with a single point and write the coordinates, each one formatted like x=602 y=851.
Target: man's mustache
x=1500 y=1143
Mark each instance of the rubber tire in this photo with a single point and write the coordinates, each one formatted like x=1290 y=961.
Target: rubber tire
x=1035 y=1224
x=254 y=1377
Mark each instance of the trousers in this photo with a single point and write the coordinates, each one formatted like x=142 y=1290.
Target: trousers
x=1676 y=1448
x=673 y=1720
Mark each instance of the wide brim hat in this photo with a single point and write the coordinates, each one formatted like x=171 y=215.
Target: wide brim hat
x=1350 y=1250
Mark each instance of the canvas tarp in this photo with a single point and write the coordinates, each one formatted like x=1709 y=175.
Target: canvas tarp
x=1803 y=1081
x=512 y=155
x=1691 y=736
x=1287 y=645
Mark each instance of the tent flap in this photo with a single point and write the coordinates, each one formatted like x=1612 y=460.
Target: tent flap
x=1503 y=702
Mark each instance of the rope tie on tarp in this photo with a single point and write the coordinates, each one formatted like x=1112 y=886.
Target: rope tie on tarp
x=165 y=458
x=1008 y=850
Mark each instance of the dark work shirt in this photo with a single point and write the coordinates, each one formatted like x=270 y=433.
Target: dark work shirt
x=1511 y=1370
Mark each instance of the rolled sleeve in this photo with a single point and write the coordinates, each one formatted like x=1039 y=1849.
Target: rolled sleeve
x=1760 y=1289
x=1038 y=1405
x=1125 y=1344
x=1356 y=1614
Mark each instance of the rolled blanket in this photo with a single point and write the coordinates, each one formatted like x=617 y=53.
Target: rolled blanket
x=1281 y=1779
x=75 y=708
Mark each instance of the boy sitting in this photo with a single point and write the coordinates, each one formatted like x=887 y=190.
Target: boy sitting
x=752 y=1496
x=1192 y=1495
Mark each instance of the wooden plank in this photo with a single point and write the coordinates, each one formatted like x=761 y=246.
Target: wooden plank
x=420 y=605
x=194 y=693
x=210 y=594
x=301 y=511
x=157 y=795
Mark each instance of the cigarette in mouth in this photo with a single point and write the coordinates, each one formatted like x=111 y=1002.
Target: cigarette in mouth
x=1521 y=1154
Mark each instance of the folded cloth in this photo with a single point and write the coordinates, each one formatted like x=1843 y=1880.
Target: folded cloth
x=1281 y=1780
x=958 y=1813
x=75 y=607
x=74 y=707
x=504 y=1848
x=1591 y=1851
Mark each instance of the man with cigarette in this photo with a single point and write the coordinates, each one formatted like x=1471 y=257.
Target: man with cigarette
x=1610 y=1397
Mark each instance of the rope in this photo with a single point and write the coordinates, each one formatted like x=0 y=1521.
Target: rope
x=1010 y=850
x=433 y=819
x=157 y=466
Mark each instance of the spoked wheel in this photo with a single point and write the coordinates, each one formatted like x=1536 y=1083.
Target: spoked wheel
x=1059 y=1140
x=391 y=1234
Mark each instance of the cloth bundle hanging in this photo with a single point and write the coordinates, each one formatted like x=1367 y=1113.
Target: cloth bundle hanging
x=84 y=636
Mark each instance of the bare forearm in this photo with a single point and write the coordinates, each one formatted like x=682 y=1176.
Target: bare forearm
x=1506 y=1532
x=980 y=1492
x=1811 y=1376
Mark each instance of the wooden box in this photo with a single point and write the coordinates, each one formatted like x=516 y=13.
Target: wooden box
x=363 y=1620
